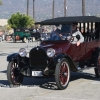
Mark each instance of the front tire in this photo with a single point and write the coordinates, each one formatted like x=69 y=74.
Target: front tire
x=14 y=39
x=13 y=74
x=62 y=74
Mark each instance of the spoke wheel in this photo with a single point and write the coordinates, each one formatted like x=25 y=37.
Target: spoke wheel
x=97 y=69
x=62 y=74
x=13 y=74
x=14 y=39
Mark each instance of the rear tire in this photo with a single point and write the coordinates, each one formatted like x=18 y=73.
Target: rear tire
x=62 y=74
x=24 y=39
x=13 y=74
x=97 y=69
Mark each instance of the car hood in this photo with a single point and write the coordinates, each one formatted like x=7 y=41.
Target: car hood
x=60 y=47
x=57 y=48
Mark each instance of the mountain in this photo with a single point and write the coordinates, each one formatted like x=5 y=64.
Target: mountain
x=43 y=8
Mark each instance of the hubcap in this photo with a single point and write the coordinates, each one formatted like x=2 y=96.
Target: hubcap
x=64 y=74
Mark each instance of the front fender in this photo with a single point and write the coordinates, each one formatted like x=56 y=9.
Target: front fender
x=12 y=56
x=71 y=63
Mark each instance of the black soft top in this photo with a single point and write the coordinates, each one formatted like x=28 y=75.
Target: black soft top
x=72 y=19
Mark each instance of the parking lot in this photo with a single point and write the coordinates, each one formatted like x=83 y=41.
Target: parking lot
x=82 y=86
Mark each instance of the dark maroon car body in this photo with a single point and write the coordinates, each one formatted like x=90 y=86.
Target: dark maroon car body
x=67 y=56
x=77 y=53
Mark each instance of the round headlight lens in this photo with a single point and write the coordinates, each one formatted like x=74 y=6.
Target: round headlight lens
x=22 y=52
x=50 y=52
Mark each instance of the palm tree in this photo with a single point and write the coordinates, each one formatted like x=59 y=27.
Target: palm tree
x=83 y=8
x=64 y=8
x=33 y=9
x=27 y=7
x=53 y=8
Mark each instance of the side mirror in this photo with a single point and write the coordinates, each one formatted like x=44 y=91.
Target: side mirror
x=78 y=37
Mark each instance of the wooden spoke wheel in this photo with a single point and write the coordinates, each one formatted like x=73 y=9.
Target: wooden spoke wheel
x=97 y=69
x=62 y=74
x=13 y=74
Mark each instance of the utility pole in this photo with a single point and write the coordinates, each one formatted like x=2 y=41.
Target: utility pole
x=65 y=8
x=83 y=8
x=53 y=9
x=27 y=7
x=34 y=9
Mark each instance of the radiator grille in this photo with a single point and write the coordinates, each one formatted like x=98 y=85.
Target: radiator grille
x=38 y=58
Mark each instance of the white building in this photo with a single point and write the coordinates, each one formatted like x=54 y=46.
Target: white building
x=3 y=22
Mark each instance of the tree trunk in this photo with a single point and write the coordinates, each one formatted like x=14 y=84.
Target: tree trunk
x=64 y=8
x=33 y=9
x=27 y=7
x=83 y=8
x=53 y=9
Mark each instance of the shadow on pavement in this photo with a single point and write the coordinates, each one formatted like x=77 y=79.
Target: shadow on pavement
x=4 y=71
x=74 y=76
x=50 y=82
x=4 y=82
x=4 y=54
x=78 y=75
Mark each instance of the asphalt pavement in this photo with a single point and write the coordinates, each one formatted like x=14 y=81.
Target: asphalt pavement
x=82 y=86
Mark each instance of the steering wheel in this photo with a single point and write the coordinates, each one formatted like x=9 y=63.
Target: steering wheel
x=72 y=39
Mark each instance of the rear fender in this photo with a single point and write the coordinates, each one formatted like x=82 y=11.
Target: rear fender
x=95 y=56
x=71 y=63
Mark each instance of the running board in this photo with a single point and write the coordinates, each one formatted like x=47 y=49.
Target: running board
x=82 y=69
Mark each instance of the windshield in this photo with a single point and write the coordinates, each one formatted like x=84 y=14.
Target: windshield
x=56 y=33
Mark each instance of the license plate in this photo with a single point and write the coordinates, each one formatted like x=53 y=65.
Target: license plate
x=37 y=73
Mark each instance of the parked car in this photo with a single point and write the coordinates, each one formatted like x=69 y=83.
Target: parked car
x=0 y=38
x=35 y=33
x=21 y=34
x=58 y=58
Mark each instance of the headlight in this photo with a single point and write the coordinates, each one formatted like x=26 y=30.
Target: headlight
x=50 y=52
x=22 y=52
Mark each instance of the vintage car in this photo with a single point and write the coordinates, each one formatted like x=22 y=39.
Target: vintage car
x=35 y=33
x=21 y=34
x=57 y=58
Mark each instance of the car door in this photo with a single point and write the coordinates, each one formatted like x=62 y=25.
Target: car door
x=91 y=45
x=79 y=51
